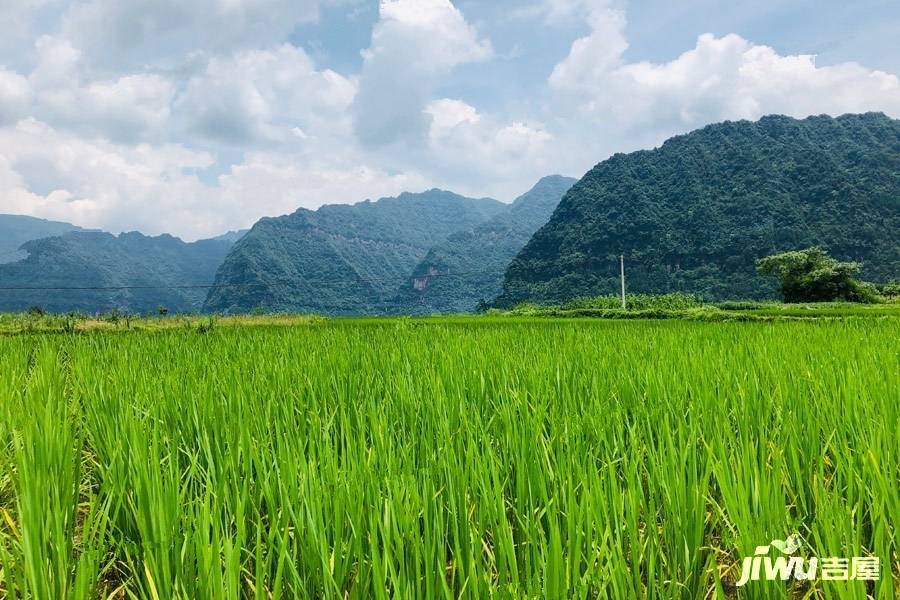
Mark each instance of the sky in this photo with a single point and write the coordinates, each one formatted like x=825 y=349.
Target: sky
x=195 y=117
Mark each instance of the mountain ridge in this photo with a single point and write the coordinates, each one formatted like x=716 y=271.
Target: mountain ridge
x=466 y=270
x=96 y=271
x=16 y=230
x=693 y=214
x=340 y=258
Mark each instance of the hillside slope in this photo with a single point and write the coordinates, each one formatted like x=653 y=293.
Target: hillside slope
x=15 y=230
x=693 y=214
x=340 y=259
x=467 y=269
x=149 y=272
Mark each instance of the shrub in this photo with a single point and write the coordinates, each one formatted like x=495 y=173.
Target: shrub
x=811 y=275
x=640 y=302
x=890 y=290
x=206 y=326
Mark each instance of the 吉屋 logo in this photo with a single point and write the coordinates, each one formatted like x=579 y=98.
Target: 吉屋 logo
x=761 y=566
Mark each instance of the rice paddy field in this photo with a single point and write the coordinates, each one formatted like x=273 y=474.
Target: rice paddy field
x=447 y=458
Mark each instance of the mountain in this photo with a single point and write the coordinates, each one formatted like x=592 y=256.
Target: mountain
x=145 y=272
x=231 y=236
x=467 y=269
x=694 y=214
x=340 y=259
x=15 y=230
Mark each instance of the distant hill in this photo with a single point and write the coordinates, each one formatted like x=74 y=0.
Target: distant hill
x=231 y=236
x=149 y=272
x=341 y=259
x=693 y=214
x=466 y=269
x=15 y=230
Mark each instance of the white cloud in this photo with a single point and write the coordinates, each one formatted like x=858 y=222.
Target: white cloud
x=480 y=151
x=447 y=115
x=100 y=184
x=156 y=189
x=198 y=116
x=414 y=44
x=15 y=96
x=269 y=96
x=721 y=78
x=129 y=108
x=593 y=57
x=279 y=184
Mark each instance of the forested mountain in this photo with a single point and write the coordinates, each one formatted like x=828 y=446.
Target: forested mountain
x=231 y=236
x=466 y=269
x=15 y=230
x=340 y=259
x=694 y=214
x=149 y=272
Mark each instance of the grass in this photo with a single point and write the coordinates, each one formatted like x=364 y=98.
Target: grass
x=465 y=457
x=689 y=307
x=640 y=307
x=18 y=323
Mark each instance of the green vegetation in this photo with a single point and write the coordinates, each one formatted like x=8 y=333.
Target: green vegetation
x=694 y=215
x=459 y=457
x=811 y=275
x=674 y=301
x=467 y=269
x=130 y=273
x=639 y=306
x=890 y=291
x=17 y=323
x=687 y=306
x=340 y=259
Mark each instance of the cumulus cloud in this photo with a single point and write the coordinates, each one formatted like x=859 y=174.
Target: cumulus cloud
x=128 y=108
x=273 y=96
x=280 y=184
x=101 y=184
x=15 y=96
x=720 y=78
x=484 y=150
x=414 y=44
x=593 y=57
x=157 y=189
x=195 y=117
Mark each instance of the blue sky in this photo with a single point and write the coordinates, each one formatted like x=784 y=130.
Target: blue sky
x=202 y=116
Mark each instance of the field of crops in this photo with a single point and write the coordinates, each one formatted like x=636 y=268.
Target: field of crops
x=511 y=458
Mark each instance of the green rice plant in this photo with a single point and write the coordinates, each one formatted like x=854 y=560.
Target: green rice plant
x=50 y=546
x=447 y=458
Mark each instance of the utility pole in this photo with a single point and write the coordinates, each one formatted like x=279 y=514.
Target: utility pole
x=622 y=264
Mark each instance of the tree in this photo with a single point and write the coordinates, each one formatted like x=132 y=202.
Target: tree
x=811 y=275
x=890 y=290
